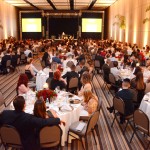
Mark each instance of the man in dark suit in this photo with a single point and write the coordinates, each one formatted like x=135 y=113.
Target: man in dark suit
x=5 y=58
x=71 y=74
x=25 y=123
x=106 y=71
x=127 y=96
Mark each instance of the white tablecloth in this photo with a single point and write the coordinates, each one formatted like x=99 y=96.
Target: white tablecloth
x=62 y=99
x=145 y=105
x=40 y=80
x=125 y=73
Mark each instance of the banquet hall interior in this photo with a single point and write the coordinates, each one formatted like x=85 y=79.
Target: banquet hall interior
x=75 y=74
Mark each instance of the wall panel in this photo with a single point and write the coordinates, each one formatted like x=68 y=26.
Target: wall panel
x=8 y=20
x=134 y=12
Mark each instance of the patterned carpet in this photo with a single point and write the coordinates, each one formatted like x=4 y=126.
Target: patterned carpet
x=111 y=138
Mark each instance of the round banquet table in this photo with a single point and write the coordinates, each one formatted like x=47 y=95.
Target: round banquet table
x=68 y=117
x=145 y=105
x=126 y=73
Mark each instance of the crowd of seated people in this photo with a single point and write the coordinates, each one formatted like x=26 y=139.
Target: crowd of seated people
x=56 y=56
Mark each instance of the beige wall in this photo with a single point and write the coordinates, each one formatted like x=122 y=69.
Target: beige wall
x=8 y=19
x=134 y=12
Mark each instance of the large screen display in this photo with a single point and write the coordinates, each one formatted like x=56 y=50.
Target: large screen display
x=91 y=25
x=31 y=25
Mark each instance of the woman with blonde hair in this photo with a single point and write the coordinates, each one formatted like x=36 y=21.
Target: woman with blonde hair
x=86 y=83
x=90 y=101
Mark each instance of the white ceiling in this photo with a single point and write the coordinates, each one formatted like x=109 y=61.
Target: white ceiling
x=60 y=4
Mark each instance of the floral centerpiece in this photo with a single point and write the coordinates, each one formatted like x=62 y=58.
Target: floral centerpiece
x=46 y=93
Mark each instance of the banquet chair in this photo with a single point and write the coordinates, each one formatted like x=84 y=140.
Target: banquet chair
x=111 y=65
x=69 y=64
x=17 y=66
x=23 y=58
x=93 y=57
x=88 y=128
x=8 y=64
x=135 y=93
x=29 y=75
x=105 y=84
x=78 y=68
x=141 y=123
x=119 y=107
x=10 y=137
x=2 y=101
x=147 y=90
x=112 y=81
x=86 y=118
x=73 y=84
x=50 y=137
x=97 y=65
x=49 y=82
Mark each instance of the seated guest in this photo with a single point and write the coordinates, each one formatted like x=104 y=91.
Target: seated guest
x=22 y=85
x=25 y=123
x=46 y=58
x=30 y=68
x=106 y=71
x=14 y=60
x=115 y=71
x=86 y=83
x=58 y=81
x=90 y=101
x=40 y=111
x=127 y=96
x=71 y=74
x=113 y=58
x=139 y=85
x=5 y=58
x=81 y=57
x=28 y=51
x=56 y=59
x=69 y=58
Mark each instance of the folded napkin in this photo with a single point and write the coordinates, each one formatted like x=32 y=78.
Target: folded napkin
x=66 y=108
x=76 y=97
x=80 y=126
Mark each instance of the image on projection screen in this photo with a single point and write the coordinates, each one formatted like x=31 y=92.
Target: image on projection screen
x=31 y=24
x=91 y=25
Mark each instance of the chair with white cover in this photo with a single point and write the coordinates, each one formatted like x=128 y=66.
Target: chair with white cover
x=50 y=137
x=88 y=127
x=10 y=137
x=141 y=123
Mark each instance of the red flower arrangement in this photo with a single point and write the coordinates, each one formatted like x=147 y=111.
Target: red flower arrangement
x=46 y=94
